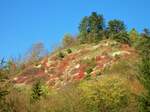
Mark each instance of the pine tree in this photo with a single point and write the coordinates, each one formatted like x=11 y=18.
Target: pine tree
x=37 y=91
x=91 y=28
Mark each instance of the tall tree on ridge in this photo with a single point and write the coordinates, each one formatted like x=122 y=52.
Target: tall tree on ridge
x=91 y=27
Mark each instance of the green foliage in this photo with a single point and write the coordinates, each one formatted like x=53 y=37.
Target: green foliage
x=91 y=28
x=144 y=71
x=89 y=70
x=69 y=51
x=117 y=31
x=91 y=63
x=143 y=47
x=121 y=37
x=83 y=29
x=106 y=93
x=109 y=94
x=61 y=55
x=88 y=77
x=145 y=79
x=5 y=85
x=144 y=103
x=124 y=68
x=116 y=26
x=133 y=34
x=38 y=91
x=96 y=22
x=145 y=33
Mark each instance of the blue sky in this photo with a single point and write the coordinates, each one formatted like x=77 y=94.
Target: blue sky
x=24 y=22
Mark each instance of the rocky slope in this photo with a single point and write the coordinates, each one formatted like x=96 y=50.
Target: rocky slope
x=83 y=62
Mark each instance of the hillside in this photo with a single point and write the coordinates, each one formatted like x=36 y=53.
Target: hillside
x=102 y=69
x=84 y=61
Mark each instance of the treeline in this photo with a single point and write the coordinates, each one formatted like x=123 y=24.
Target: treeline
x=93 y=29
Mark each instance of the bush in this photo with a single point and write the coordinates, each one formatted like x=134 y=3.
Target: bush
x=143 y=47
x=144 y=70
x=69 y=51
x=109 y=94
x=121 y=37
x=39 y=90
x=89 y=70
x=61 y=55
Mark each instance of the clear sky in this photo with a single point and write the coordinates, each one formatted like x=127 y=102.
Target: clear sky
x=24 y=22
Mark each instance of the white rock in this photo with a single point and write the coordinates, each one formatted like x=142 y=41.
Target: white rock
x=38 y=66
x=77 y=66
x=16 y=78
x=96 y=46
x=120 y=53
x=106 y=44
x=46 y=71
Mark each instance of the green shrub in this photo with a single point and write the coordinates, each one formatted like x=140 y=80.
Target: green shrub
x=89 y=70
x=61 y=55
x=39 y=90
x=87 y=77
x=109 y=94
x=144 y=69
x=121 y=37
x=69 y=51
x=143 y=45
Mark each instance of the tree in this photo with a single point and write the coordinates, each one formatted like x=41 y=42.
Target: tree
x=122 y=37
x=96 y=22
x=146 y=33
x=116 y=26
x=4 y=86
x=39 y=90
x=91 y=28
x=36 y=51
x=133 y=34
x=117 y=31
x=84 y=29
